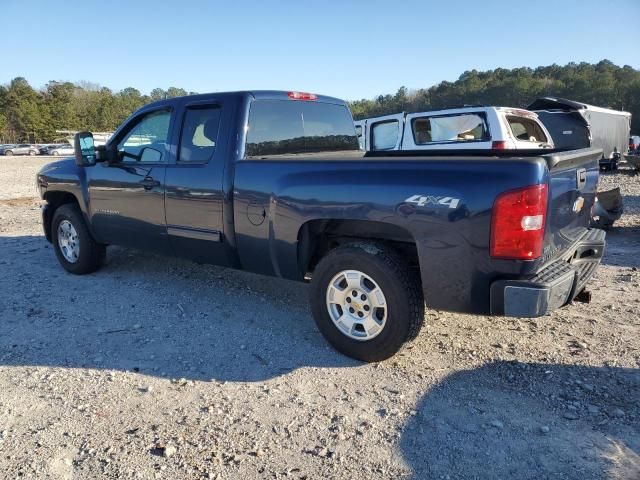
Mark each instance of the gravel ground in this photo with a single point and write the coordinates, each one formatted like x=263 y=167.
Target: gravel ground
x=161 y=368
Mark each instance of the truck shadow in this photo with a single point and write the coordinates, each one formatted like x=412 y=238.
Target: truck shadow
x=158 y=316
x=527 y=421
x=623 y=245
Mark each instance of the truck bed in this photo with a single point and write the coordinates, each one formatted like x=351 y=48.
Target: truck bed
x=452 y=243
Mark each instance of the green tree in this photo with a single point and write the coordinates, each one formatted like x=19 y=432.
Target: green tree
x=58 y=100
x=26 y=115
x=173 y=92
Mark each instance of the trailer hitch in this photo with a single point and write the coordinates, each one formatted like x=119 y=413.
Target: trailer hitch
x=583 y=297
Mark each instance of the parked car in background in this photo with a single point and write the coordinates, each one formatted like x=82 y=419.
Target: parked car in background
x=56 y=149
x=20 y=149
x=44 y=149
x=468 y=128
x=634 y=143
x=576 y=125
x=66 y=149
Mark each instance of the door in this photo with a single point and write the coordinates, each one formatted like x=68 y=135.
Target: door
x=194 y=192
x=127 y=193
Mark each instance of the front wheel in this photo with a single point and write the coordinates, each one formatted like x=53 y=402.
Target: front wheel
x=366 y=301
x=8 y=153
x=75 y=248
x=32 y=153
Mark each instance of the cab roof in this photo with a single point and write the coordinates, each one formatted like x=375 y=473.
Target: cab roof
x=255 y=94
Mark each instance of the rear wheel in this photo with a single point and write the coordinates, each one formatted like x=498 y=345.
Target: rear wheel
x=75 y=248
x=366 y=301
x=8 y=153
x=32 y=152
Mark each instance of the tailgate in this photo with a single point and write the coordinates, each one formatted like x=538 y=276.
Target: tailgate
x=573 y=181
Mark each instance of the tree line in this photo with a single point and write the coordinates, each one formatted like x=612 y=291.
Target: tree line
x=603 y=84
x=34 y=115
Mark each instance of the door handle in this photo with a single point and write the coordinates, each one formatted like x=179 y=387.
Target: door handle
x=148 y=183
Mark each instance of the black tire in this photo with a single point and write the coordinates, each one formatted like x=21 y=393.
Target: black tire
x=92 y=254
x=8 y=153
x=402 y=290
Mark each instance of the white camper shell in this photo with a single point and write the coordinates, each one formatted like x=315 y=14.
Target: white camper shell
x=468 y=128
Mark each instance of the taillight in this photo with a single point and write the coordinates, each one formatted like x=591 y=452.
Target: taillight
x=302 y=96
x=499 y=145
x=517 y=223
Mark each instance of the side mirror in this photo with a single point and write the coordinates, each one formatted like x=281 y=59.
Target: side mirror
x=85 y=149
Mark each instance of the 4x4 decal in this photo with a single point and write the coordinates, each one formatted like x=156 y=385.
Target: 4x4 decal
x=422 y=200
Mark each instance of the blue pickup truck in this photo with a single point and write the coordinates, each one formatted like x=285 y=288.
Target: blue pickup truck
x=274 y=183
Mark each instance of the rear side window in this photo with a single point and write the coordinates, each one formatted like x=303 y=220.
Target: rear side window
x=449 y=128
x=526 y=129
x=199 y=134
x=384 y=135
x=285 y=127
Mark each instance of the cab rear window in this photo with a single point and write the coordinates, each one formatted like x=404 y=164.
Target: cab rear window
x=285 y=127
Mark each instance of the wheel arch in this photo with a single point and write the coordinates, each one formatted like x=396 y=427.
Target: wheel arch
x=54 y=200
x=317 y=237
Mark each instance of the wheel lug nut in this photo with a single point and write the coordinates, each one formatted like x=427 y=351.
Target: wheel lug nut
x=366 y=308
x=351 y=310
x=360 y=314
x=348 y=299
x=354 y=293
x=363 y=297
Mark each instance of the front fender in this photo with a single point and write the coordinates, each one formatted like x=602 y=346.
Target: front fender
x=60 y=181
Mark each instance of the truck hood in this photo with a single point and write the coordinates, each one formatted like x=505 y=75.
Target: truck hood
x=64 y=164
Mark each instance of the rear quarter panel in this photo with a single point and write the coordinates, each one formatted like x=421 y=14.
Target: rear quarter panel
x=452 y=243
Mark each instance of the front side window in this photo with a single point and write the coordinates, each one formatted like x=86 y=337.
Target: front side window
x=449 y=128
x=199 y=134
x=146 y=141
x=526 y=129
x=384 y=135
x=285 y=127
